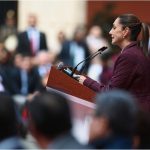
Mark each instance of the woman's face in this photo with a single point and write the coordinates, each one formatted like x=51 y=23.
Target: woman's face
x=117 y=33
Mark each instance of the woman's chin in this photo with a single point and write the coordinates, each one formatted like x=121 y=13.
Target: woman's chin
x=112 y=42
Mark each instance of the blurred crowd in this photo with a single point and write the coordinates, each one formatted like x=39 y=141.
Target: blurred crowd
x=25 y=58
x=28 y=109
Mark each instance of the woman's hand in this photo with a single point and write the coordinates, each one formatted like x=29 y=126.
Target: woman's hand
x=81 y=79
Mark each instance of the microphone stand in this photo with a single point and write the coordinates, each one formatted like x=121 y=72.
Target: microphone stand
x=80 y=72
x=89 y=57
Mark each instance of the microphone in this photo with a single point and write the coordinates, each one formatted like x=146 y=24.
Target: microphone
x=99 y=51
x=64 y=68
x=60 y=65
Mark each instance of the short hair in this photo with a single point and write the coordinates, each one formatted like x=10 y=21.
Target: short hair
x=8 y=117
x=120 y=108
x=50 y=113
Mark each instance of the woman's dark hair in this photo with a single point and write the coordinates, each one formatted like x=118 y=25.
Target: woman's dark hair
x=136 y=26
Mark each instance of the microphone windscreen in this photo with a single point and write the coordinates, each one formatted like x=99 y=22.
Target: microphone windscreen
x=60 y=65
x=103 y=48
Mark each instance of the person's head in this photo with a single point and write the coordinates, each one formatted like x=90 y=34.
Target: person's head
x=26 y=63
x=10 y=18
x=79 y=34
x=96 y=31
x=32 y=20
x=17 y=60
x=61 y=36
x=141 y=139
x=43 y=58
x=49 y=116
x=115 y=114
x=8 y=117
x=126 y=28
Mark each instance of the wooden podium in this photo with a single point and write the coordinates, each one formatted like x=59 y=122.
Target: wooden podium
x=62 y=82
x=80 y=98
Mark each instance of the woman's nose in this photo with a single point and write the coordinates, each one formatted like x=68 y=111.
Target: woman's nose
x=110 y=32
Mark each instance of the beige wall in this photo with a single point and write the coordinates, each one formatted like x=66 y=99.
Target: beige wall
x=53 y=16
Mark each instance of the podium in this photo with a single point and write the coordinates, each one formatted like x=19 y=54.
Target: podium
x=81 y=100
x=62 y=82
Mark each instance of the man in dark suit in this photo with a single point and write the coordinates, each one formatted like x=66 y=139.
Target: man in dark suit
x=25 y=79
x=75 y=50
x=32 y=40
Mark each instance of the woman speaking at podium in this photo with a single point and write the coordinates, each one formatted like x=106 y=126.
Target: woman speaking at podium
x=132 y=67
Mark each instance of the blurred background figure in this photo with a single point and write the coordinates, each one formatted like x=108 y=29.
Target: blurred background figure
x=24 y=80
x=5 y=55
x=114 y=121
x=2 y=88
x=8 y=32
x=50 y=122
x=142 y=132
x=17 y=60
x=24 y=77
x=61 y=38
x=95 y=40
x=43 y=62
x=32 y=40
x=9 y=126
x=75 y=50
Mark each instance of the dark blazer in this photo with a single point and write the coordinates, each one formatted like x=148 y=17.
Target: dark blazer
x=34 y=81
x=24 y=43
x=66 y=57
x=131 y=72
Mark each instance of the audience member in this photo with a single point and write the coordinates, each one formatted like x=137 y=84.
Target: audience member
x=75 y=50
x=142 y=134
x=5 y=56
x=114 y=120
x=50 y=122
x=32 y=40
x=9 y=126
x=61 y=38
x=9 y=28
x=44 y=62
x=26 y=78
x=95 y=40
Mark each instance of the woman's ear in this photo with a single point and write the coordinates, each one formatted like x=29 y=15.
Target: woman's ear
x=126 y=32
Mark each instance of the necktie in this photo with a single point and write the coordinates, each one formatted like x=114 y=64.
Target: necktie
x=32 y=46
x=24 y=82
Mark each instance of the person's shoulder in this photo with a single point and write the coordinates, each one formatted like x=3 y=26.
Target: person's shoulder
x=127 y=57
x=42 y=33
x=22 y=33
x=67 y=141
